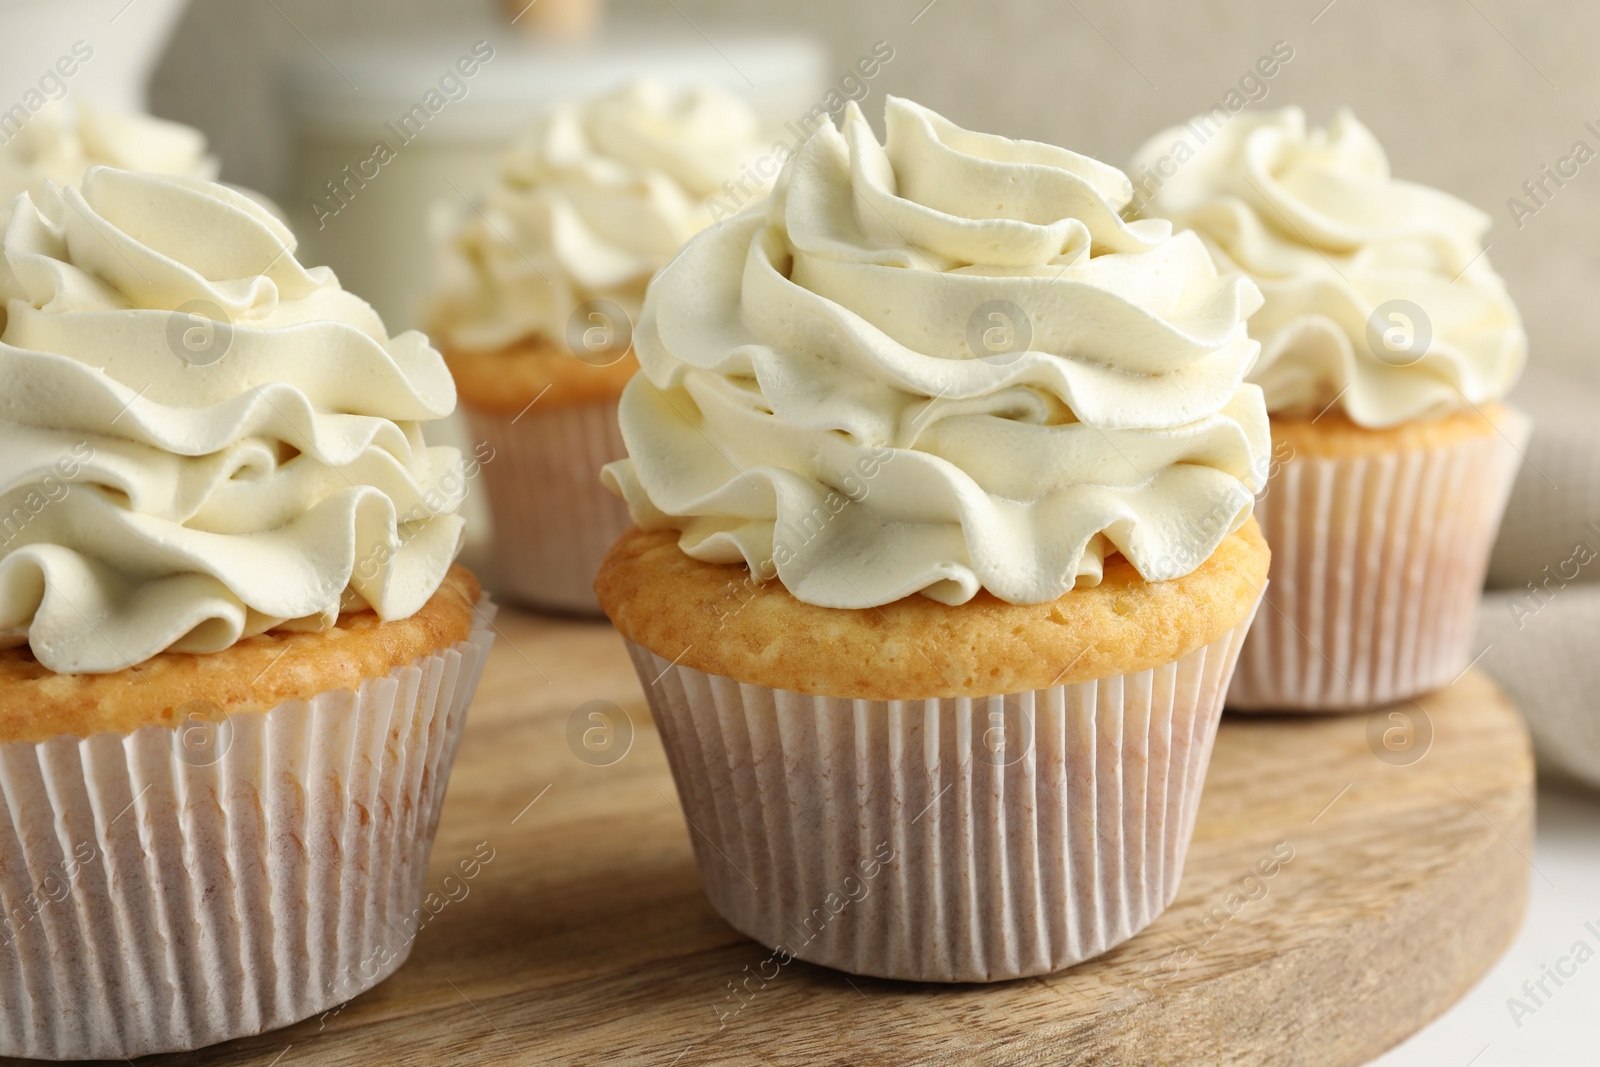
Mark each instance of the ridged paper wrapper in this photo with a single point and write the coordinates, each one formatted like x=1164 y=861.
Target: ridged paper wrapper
x=552 y=518
x=1378 y=564
x=969 y=839
x=163 y=895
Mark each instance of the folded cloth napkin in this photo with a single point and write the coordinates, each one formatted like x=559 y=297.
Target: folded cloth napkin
x=1544 y=657
x=1540 y=619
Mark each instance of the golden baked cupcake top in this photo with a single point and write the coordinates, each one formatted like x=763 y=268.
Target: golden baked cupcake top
x=509 y=380
x=1334 y=435
x=720 y=619
x=941 y=365
x=201 y=440
x=258 y=673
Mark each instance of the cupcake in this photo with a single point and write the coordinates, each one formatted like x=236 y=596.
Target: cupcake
x=942 y=476
x=65 y=139
x=541 y=291
x=235 y=660
x=1387 y=344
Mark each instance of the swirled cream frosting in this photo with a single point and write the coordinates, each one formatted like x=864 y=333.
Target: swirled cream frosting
x=593 y=203
x=200 y=439
x=1378 y=294
x=941 y=364
x=65 y=139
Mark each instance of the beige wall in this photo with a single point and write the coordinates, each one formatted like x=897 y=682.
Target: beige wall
x=1469 y=95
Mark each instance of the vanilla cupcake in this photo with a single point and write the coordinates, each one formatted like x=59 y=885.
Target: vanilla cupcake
x=943 y=476
x=65 y=139
x=1387 y=344
x=235 y=660
x=540 y=296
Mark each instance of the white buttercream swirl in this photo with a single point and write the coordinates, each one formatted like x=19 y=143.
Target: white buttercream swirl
x=65 y=139
x=812 y=403
x=588 y=208
x=1378 y=293
x=200 y=439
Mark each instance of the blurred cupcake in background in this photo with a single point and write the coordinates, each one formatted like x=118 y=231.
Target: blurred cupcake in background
x=65 y=139
x=235 y=655
x=1388 y=342
x=541 y=291
x=943 y=475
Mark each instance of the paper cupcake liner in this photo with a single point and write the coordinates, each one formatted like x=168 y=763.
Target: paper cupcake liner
x=1377 y=566
x=553 y=520
x=169 y=889
x=901 y=839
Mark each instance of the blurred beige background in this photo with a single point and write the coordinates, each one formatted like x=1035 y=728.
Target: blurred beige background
x=1473 y=96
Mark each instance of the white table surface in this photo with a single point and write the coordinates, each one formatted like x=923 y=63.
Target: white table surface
x=1565 y=1028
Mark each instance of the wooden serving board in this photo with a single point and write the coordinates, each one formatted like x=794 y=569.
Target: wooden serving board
x=586 y=939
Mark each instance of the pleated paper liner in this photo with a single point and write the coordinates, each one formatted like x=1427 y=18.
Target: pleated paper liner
x=161 y=895
x=553 y=520
x=947 y=840
x=1378 y=564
